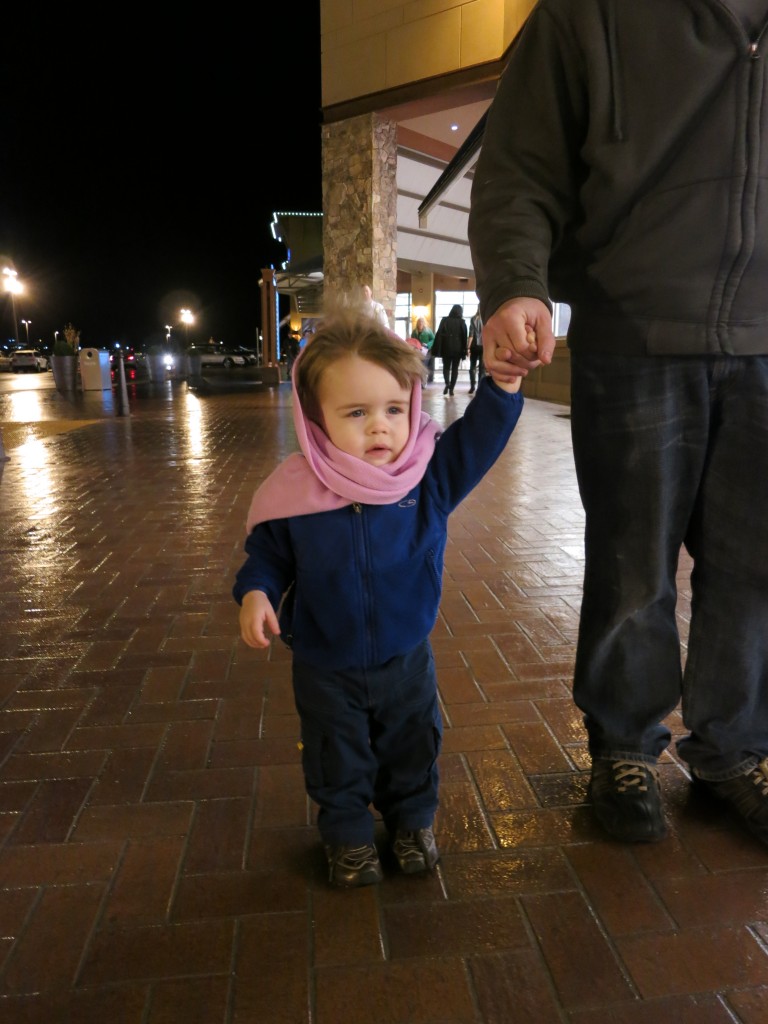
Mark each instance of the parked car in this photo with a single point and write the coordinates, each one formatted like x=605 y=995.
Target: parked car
x=134 y=366
x=28 y=359
x=250 y=357
x=5 y=360
x=218 y=357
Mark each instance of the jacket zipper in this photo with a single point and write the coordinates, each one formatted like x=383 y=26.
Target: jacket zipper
x=365 y=589
x=748 y=216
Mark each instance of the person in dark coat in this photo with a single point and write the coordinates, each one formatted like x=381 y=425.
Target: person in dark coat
x=630 y=183
x=451 y=344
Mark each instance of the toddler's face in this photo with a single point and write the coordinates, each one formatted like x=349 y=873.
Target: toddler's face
x=365 y=412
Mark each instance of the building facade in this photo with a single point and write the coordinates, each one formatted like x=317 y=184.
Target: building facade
x=405 y=86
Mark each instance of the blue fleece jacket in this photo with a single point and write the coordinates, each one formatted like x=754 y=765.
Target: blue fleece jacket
x=367 y=579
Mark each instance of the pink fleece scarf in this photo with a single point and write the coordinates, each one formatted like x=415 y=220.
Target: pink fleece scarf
x=322 y=477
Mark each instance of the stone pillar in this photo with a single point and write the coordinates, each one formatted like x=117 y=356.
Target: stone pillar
x=269 y=317
x=360 y=210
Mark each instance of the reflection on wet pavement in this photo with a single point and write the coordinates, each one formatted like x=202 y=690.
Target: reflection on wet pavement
x=159 y=860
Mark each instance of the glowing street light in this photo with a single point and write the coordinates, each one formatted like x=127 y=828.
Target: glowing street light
x=14 y=287
x=26 y=328
x=167 y=332
x=187 y=318
x=11 y=281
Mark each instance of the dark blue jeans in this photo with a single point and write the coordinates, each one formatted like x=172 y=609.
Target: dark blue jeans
x=673 y=451
x=370 y=737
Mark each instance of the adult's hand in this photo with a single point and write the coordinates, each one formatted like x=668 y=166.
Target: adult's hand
x=518 y=338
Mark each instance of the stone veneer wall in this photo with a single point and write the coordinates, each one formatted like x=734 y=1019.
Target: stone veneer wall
x=360 y=209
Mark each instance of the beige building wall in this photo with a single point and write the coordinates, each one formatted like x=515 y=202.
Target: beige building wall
x=371 y=49
x=369 y=46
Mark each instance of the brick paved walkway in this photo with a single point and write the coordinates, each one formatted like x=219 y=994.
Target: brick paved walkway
x=158 y=858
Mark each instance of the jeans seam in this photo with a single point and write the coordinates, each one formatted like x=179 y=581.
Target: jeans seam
x=742 y=768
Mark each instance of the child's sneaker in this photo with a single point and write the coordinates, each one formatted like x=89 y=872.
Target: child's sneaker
x=350 y=866
x=415 y=850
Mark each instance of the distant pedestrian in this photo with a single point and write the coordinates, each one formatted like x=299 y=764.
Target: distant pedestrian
x=426 y=337
x=374 y=308
x=451 y=346
x=476 y=364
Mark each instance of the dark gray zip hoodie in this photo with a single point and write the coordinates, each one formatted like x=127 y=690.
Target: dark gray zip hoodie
x=623 y=172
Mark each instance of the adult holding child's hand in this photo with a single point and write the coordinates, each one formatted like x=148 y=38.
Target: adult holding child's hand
x=517 y=338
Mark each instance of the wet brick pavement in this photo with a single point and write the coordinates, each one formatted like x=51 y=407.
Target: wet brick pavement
x=158 y=857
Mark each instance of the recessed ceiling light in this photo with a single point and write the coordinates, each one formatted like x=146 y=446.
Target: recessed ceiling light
x=454 y=127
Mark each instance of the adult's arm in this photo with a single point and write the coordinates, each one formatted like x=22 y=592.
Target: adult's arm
x=525 y=189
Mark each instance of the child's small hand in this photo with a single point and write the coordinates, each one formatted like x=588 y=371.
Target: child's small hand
x=256 y=613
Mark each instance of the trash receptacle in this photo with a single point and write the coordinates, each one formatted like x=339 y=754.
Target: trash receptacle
x=95 y=372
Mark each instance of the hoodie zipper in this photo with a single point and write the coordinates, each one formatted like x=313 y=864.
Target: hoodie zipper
x=748 y=199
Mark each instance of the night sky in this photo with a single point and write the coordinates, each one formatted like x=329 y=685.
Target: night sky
x=140 y=179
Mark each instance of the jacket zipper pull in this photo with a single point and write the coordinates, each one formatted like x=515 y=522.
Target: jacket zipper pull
x=753 y=51
x=356 y=507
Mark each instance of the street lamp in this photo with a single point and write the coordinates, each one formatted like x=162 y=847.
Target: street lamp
x=14 y=287
x=186 y=318
x=11 y=281
x=26 y=328
x=168 y=332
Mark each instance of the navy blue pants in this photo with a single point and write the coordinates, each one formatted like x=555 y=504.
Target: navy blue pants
x=673 y=451
x=370 y=737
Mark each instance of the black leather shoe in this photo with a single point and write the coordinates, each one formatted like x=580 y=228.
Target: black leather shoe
x=350 y=866
x=747 y=795
x=415 y=850
x=626 y=800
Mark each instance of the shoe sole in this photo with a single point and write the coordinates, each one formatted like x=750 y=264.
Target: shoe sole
x=413 y=867
x=371 y=877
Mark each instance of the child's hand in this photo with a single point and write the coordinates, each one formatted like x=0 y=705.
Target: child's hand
x=256 y=613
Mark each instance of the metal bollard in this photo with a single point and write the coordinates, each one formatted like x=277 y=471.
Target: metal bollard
x=124 y=408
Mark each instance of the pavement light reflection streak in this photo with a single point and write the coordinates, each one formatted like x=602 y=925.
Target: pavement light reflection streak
x=194 y=424
x=24 y=406
x=37 y=478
